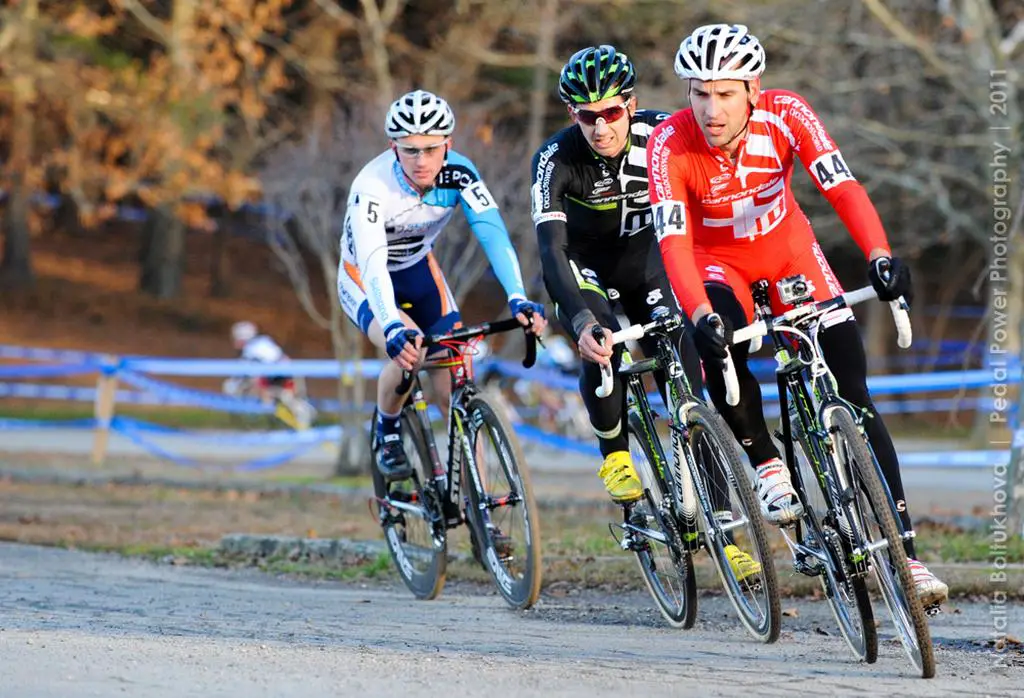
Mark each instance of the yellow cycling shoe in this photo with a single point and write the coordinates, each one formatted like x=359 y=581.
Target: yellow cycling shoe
x=620 y=478
x=742 y=565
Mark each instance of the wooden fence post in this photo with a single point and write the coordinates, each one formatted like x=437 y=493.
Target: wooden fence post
x=106 y=391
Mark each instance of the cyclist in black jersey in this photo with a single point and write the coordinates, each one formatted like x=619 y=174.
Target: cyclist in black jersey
x=592 y=213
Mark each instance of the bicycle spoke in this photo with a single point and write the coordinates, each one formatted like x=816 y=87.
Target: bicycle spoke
x=667 y=568
x=845 y=590
x=409 y=516
x=502 y=512
x=874 y=527
x=735 y=531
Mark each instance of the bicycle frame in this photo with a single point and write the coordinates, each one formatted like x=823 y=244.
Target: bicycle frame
x=799 y=362
x=677 y=479
x=448 y=475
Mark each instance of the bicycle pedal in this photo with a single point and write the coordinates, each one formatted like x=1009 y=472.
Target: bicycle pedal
x=811 y=569
x=752 y=585
x=615 y=536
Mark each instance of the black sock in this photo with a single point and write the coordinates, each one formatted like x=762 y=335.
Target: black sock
x=388 y=424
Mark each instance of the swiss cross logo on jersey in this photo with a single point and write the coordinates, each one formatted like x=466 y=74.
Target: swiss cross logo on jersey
x=830 y=170
x=753 y=215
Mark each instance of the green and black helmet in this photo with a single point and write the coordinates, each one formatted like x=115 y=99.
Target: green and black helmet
x=594 y=74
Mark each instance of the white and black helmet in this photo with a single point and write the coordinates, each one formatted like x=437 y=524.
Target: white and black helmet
x=720 y=52
x=419 y=113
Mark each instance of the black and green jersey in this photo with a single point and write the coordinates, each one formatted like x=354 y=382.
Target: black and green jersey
x=590 y=208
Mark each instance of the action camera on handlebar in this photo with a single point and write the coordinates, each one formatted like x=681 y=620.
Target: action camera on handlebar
x=794 y=290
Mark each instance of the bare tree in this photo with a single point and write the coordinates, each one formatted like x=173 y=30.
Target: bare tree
x=306 y=184
x=19 y=43
x=547 y=34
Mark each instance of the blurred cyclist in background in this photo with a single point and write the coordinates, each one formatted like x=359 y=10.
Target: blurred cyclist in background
x=278 y=388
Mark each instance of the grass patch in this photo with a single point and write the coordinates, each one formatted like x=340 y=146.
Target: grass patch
x=378 y=567
x=347 y=481
x=948 y=544
x=199 y=555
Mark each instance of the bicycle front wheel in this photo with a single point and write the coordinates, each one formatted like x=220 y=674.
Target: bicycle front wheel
x=410 y=514
x=844 y=588
x=875 y=523
x=734 y=526
x=667 y=567
x=501 y=509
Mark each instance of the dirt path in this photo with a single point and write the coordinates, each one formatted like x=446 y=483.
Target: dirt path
x=75 y=624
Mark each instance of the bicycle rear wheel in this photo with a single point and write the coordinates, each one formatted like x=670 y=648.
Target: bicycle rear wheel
x=413 y=526
x=734 y=519
x=667 y=567
x=875 y=524
x=501 y=509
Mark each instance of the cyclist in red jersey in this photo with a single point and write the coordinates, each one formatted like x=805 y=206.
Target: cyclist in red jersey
x=725 y=216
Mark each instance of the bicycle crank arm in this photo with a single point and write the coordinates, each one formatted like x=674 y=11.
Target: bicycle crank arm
x=419 y=511
x=736 y=523
x=801 y=553
x=870 y=548
x=645 y=532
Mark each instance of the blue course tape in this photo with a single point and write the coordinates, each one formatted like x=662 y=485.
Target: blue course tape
x=954 y=459
x=46 y=371
x=137 y=432
x=193 y=397
x=308 y=368
x=43 y=391
x=532 y=433
x=8 y=351
x=20 y=424
x=136 y=437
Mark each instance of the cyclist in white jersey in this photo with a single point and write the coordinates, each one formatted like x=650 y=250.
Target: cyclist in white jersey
x=389 y=283
x=260 y=348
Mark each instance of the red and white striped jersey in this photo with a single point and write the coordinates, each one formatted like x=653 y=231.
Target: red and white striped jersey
x=701 y=199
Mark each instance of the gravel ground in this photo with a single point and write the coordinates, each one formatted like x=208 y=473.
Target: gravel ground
x=75 y=624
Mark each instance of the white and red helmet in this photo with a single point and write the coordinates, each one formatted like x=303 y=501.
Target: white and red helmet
x=720 y=52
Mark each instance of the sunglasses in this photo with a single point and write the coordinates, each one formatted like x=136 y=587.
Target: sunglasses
x=609 y=115
x=412 y=152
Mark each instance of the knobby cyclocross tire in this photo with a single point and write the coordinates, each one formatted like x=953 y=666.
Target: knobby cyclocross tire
x=504 y=507
x=877 y=518
x=418 y=547
x=757 y=604
x=844 y=597
x=667 y=568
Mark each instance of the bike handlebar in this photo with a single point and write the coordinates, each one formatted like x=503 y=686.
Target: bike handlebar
x=631 y=333
x=760 y=328
x=466 y=333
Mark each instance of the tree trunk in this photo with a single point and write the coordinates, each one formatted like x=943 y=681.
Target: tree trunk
x=1014 y=486
x=220 y=264
x=163 y=254
x=539 y=94
x=354 y=456
x=16 y=268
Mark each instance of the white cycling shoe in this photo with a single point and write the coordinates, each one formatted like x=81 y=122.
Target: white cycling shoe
x=779 y=503
x=930 y=589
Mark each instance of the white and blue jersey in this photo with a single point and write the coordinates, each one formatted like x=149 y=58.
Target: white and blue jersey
x=388 y=234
